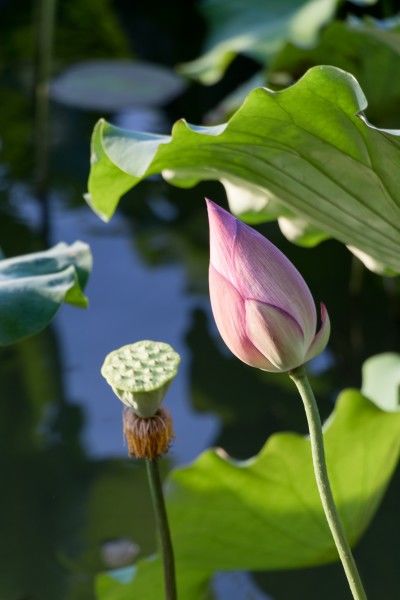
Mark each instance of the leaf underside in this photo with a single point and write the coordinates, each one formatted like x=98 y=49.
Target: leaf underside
x=33 y=286
x=307 y=151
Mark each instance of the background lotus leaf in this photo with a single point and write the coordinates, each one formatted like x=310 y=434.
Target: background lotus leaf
x=257 y=29
x=33 y=286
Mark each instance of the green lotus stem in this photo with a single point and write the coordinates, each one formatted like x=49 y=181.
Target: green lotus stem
x=161 y=516
x=300 y=379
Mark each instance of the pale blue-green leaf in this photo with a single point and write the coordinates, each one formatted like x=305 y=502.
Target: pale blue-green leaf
x=33 y=286
x=381 y=380
x=114 y=85
x=308 y=148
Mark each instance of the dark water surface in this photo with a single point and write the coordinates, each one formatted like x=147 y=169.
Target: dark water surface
x=67 y=488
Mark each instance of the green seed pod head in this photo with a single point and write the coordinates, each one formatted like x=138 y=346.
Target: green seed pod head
x=140 y=374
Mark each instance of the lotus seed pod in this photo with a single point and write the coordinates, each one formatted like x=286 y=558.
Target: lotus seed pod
x=140 y=374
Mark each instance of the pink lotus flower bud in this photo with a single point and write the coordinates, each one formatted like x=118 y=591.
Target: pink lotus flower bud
x=263 y=308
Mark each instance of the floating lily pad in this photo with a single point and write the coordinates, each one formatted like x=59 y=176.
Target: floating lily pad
x=113 y=85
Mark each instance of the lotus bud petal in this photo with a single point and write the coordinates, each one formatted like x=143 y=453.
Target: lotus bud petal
x=262 y=306
x=322 y=336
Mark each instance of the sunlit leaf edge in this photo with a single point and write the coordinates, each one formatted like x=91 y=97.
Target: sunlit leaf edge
x=345 y=182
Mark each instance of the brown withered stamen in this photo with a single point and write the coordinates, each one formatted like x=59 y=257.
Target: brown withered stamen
x=147 y=438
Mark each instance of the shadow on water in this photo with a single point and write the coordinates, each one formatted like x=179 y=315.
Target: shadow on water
x=66 y=488
x=57 y=506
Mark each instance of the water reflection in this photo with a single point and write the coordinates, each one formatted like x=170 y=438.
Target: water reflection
x=58 y=506
x=129 y=302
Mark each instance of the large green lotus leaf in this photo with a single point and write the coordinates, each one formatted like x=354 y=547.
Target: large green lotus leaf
x=265 y=513
x=307 y=151
x=33 y=286
x=368 y=49
x=258 y=29
x=146 y=583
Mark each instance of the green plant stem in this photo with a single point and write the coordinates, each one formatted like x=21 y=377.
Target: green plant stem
x=160 y=511
x=300 y=379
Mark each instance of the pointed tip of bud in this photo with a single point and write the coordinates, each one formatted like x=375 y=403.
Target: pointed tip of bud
x=209 y=203
x=321 y=338
x=216 y=212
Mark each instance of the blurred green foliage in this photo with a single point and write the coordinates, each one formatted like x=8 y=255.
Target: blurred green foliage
x=83 y=28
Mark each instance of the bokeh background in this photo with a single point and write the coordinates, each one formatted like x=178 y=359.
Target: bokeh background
x=67 y=488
